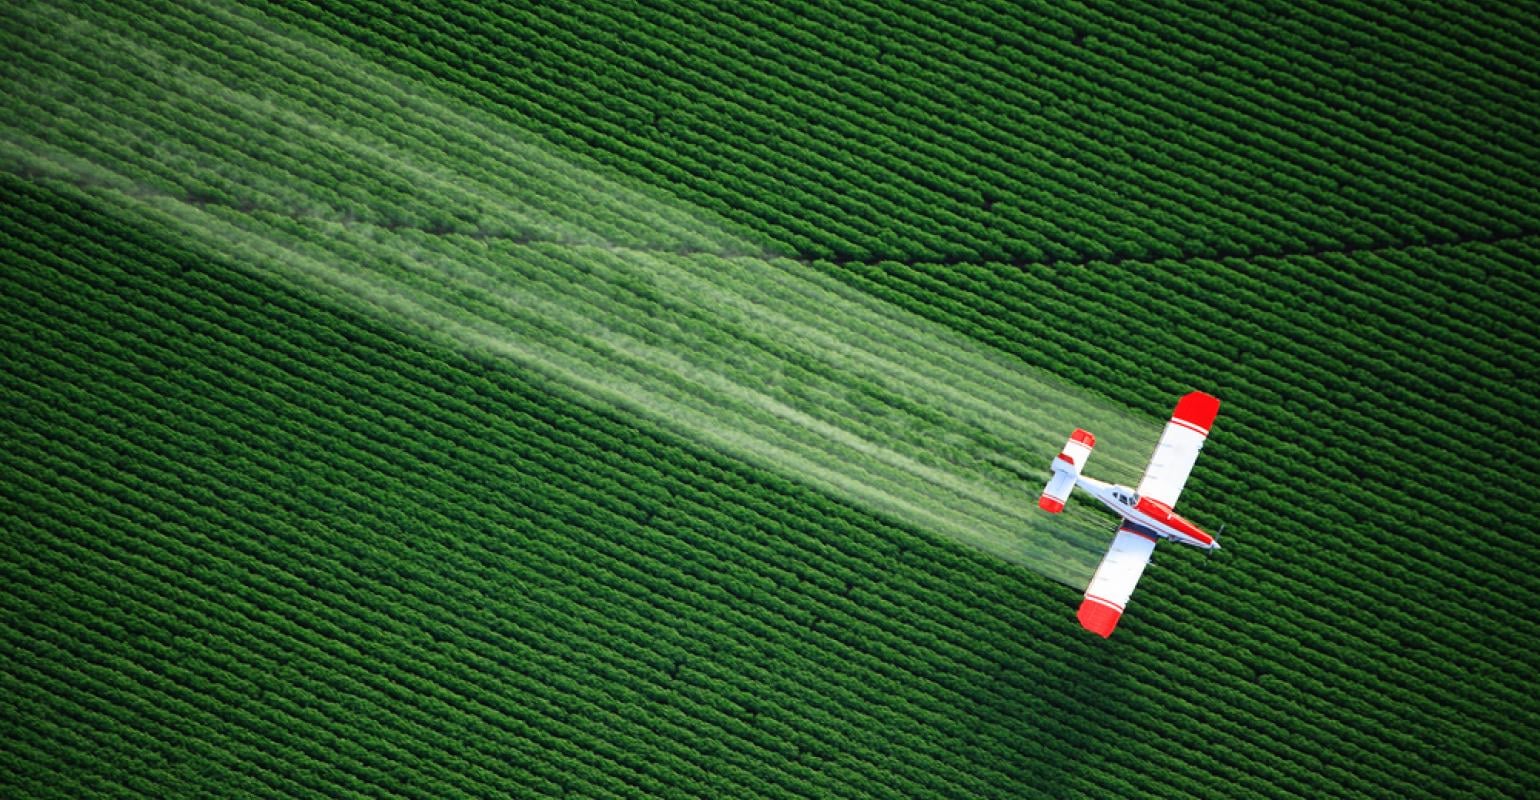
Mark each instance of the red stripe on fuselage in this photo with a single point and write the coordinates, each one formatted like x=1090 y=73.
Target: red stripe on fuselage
x=1163 y=514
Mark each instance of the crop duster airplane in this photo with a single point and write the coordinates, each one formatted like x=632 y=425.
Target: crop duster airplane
x=1147 y=512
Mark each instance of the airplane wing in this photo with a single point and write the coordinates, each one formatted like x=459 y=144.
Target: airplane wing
x=1114 y=580
x=1179 y=447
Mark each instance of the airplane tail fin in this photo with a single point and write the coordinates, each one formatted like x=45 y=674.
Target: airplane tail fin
x=1066 y=468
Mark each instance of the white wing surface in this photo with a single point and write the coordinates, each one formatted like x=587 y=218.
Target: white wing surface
x=1115 y=579
x=1179 y=447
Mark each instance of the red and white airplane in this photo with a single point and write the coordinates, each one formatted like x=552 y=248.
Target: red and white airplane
x=1147 y=514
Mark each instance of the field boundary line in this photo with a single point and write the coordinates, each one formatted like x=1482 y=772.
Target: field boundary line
x=33 y=173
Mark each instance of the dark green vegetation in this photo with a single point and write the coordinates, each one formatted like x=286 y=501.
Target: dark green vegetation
x=257 y=542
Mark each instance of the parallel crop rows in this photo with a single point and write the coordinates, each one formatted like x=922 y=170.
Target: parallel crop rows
x=258 y=541
x=764 y=358
x=603 y=596
x=1156 y=132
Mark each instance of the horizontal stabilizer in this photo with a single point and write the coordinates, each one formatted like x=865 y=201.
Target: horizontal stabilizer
x=1066 y=468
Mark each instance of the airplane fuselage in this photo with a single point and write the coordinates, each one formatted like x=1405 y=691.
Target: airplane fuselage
x=1146 y=516
x=1146 y=512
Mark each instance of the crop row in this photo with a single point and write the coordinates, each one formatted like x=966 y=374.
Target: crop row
x=197 y=312
x=566 y=532
x=434 y=570
x=1090 y=138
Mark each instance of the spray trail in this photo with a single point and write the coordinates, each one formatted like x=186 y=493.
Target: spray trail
x=759 y=357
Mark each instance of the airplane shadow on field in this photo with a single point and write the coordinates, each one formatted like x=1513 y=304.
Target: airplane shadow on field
x=1055 y=719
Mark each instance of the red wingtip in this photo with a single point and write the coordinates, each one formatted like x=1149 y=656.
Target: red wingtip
x=1197 y=408
x=1050 y=505
x=1098 y=617
x=1083 y=436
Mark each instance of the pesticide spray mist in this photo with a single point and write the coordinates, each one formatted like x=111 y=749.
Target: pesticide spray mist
x=452 y=225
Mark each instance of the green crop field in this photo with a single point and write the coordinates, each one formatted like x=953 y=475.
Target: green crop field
x=479 y=400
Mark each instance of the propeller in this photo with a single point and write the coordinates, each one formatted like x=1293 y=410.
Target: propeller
x=1210 y=551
